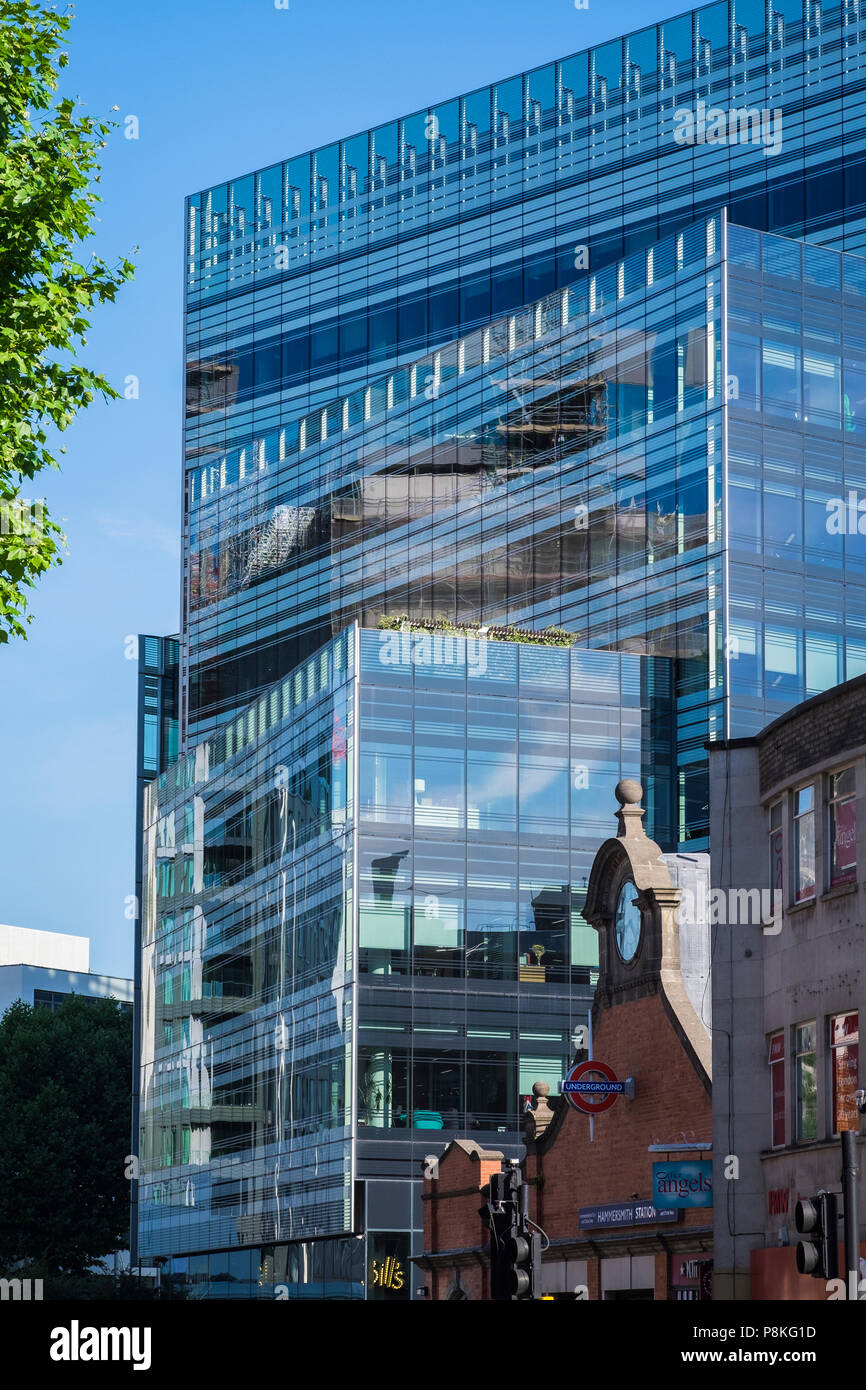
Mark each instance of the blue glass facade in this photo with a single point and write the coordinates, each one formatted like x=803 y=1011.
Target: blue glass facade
x=248 y=889
x=529 y=358
x=590 y=462
x=551 y=468
x=796 y=452
x=307 y=279
x=362 y=922
x=157 y=746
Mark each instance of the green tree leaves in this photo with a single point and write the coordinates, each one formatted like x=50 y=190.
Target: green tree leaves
x=65 y=1085
x=49 y=157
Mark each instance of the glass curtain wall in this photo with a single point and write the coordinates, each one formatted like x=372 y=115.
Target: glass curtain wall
x=247 y=974
x=487 y=772
x=401 y=238
x=796 y=473
x=561 y=466
x=362 y=920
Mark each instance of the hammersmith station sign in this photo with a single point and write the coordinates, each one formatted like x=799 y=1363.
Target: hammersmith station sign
x=624 y=1214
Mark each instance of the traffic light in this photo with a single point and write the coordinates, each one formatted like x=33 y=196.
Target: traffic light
x=497 y=1215
x=817 y=1217
x=515 y=1248
x=522 y=1265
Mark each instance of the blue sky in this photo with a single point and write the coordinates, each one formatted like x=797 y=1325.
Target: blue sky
x=219 y=88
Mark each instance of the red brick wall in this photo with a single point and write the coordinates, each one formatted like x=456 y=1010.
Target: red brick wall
x=671 y=1105
x=636 y=1039
x=452 y=1222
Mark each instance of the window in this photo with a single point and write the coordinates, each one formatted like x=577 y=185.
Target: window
x=438 y=934
x=844 y=1065
x=384 y=907
x=806 y=1081
x=491 y=1098
x=439 y=788
x=492 y=789
x=385 y=786
x=437 y=1090
x=775 y=846
x=822 y=388
x=544 y=792
x=777 y=1088
x=534 y=1068
x=782 y=380
x=54 y=999
x=383 y=1087
x=843 y=828
x=804 y=844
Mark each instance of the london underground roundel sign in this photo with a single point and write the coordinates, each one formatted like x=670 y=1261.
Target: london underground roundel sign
x=591 y=1087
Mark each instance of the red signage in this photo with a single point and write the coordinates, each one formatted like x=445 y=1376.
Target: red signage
x=688 y=1269
x=591 y=1087
x=692 y=1279
x=843 y=868
x=845 y=1049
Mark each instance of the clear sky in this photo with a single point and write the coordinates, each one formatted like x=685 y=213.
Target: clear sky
x=219 y=87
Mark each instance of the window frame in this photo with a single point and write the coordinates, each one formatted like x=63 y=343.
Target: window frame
x=849 y=876
x=803 y=895
x=776 y=853
x=773 y=1062
x=796 y=1054
x=850 y=1041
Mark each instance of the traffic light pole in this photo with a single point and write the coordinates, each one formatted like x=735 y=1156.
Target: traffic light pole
x=817 y=1218
x=850 y=1172
x=515 y=1247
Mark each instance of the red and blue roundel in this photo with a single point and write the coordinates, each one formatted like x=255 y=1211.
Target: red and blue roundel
x=591 y=1087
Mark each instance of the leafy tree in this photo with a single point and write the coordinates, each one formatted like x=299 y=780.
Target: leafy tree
x=65 y=1083
x=49 y=155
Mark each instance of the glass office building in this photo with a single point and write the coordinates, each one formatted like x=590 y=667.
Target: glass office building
x=590 y=462
x=309 y=279
x=581 y=350
x=157 y=745
x=362 y=893
x=795 y=468
x=362 y=923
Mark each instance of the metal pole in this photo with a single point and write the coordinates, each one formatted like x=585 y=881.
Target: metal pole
x=523 y=1204
x=850 y=1173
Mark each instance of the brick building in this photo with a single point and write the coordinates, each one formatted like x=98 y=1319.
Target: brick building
x=788 y=817
x=591 y=1177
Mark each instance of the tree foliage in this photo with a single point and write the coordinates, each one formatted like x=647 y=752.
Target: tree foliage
x=65 y=1085
x=49 y=157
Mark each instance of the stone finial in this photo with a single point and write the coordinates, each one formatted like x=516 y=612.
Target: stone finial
x=539 y=1115
x=628 y=793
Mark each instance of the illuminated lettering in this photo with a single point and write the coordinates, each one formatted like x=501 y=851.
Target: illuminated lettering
x=387 y=1273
